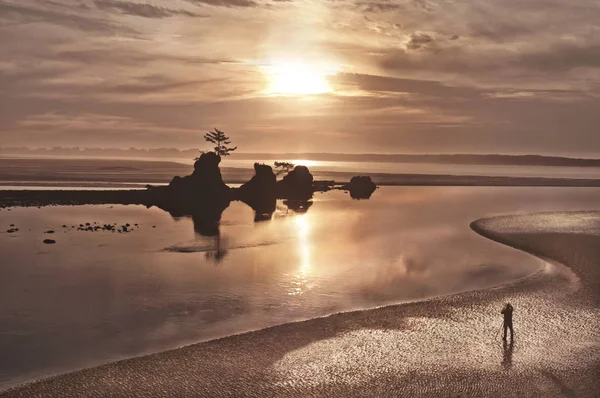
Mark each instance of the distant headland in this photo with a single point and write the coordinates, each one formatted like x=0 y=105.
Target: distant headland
x=173 y=153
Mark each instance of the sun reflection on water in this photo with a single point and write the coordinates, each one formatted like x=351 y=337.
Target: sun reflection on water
x=300 y=282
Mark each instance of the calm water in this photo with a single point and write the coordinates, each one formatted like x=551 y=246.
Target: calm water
x=320 y=167
x=99 y=296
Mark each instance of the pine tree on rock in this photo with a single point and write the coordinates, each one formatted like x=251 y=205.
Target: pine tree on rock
x=284 y=167
x=221 y=141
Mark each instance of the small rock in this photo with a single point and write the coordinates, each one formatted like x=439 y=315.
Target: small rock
x=49 y=232
x=49 y=241
x=12 y=230
x=12 y=225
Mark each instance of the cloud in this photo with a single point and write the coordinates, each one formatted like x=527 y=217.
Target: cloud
x=425 y=73
x=418 y=40
x=415 y=87
x=133 y=57
x=377 y=7
x=562 y=57
x=226 y=3
x=14 y=13
x=87 y=121
x=87 y=127
x=143 y=10
x=537 y=66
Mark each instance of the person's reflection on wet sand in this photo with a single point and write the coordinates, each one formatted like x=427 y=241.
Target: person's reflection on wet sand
x=507 y=354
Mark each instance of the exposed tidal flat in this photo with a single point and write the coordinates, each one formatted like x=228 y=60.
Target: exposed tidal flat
x=96 y=297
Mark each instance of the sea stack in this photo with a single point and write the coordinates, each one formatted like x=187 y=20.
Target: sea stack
x=203 y=194
x=296 y=185
x=260 y=192
x=360 y=187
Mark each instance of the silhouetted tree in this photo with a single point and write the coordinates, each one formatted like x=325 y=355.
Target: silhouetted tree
x=283 y=167
x=221 y=141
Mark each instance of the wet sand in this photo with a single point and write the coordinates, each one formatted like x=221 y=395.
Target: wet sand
x=448 y=346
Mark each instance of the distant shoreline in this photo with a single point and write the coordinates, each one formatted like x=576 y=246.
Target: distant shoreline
x=172 y=153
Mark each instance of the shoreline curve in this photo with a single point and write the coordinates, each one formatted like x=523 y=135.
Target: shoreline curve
x=437 y=347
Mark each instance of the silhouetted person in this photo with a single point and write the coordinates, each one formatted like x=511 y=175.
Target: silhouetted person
x=507 y=311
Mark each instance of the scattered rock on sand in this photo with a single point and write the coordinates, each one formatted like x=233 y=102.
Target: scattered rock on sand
x=49 y=241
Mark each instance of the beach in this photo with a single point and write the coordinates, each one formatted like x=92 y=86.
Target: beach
x=447 y=346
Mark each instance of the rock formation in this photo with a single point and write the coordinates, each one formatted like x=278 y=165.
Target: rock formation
x=296 y=185
x=260 y=192
x=360 y=187
x=202 y=195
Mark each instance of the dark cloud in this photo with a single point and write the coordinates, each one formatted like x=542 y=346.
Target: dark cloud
x=526 y=63
x=419 y=40
x=376 y=7
x=423 y=88
x=140 y=9
x=562 y=57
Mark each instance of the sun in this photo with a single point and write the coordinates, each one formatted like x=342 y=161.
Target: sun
x=297 y=78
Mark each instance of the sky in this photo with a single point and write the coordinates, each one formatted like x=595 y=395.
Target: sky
x=352 y=76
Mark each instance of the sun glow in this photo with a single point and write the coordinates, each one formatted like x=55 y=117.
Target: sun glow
x=304 y=162
x=298 y=78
